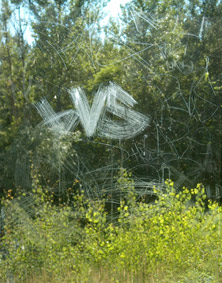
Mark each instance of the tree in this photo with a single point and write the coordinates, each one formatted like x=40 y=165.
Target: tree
x=170 y=70
x=14 y=85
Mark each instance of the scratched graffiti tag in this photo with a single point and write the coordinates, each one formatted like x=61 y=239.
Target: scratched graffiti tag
x=111 y=99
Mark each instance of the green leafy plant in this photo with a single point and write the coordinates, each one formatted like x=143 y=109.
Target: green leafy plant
x=175 y=238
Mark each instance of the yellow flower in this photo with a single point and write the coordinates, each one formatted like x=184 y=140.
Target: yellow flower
x=171 y=183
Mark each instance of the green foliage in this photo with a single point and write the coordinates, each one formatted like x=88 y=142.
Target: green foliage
x=107 y=74
x=177 y=237
x=167 y=54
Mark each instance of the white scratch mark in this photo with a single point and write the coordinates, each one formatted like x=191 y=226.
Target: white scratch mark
x=109 y=100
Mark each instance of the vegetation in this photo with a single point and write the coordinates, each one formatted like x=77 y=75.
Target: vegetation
x=176 y=238
x=69 y=212
x=166 y=54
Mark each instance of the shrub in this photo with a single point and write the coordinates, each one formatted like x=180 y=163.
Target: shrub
x=177 y=237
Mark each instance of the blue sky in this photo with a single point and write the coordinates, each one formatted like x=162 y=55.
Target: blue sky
x=114 y=6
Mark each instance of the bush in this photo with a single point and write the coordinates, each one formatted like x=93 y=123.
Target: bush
x=176 y=238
